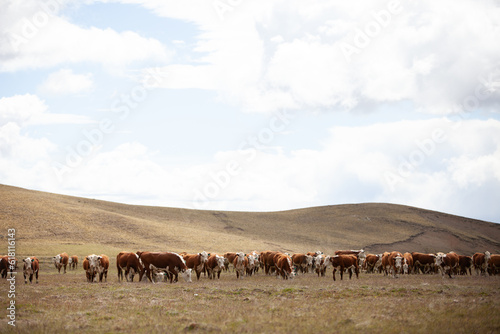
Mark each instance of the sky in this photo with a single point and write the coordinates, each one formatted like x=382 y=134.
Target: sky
x=261 y=105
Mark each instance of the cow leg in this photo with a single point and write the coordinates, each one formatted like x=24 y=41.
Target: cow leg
x=350 y=273
x=25 y=280
x=334 y=270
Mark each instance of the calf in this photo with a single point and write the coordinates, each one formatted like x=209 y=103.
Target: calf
x=342 y=263
x=446 y=263
x=196 y=262
x=31 y=267
x=215 y=264
x=129 y=263
x=60 y=261
x=73 y=262
x=360 y=254
x=86 y=267
x=319 y=264
x=171 y=263
x=251 y=264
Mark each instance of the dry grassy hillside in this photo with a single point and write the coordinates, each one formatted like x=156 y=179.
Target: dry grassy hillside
x=47 y=224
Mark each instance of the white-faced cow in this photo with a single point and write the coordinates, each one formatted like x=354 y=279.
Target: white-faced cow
x=171 y=263
x=60 y=261
x=30 y=268
x=480 y=262
x=392 y=263
x=240 y=263
x=129 y=263
x=446 y=263
x=359 y=253
x=215 y=264
x=91 y=266
x=372 y=262
x=407 y=263
x=196 y=262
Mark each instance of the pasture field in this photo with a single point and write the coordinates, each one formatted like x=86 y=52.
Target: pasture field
x=66 y=303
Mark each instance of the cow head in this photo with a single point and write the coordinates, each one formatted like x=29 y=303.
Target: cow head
x=309 y=260
x=186 y=274
x=327 y=261
x=94 y=261
x=70 y=260
x=203 y=257
x=251 y=261
x=57 y=259
x=241 y=257
x=398 y=262
x=405 y=266
x=220 y=261
x=438 y=260
x=28 y=263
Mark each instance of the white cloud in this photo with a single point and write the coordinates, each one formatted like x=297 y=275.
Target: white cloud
x=36 y=37
x=66 y=82
x=411 y=53
x=29 y=109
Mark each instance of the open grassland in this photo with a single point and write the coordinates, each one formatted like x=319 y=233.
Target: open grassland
x=66 y=303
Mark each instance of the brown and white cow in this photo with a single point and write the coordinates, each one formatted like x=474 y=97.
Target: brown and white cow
x=103 y=267
x=73 y=262
x=407 y=263
x=372 y=262
x=392 y=262
x=359 y=253
x=60 y=261
x=196 y=262
x=465 y=264
x=250 y=268
x=86 y=266
x=91 y=266
x=480 y=262
x=215 y=264
x=229 y=259
x=319 y=265
x=129 y=263
x=423 y=262
x=302 y=261
x=30 y=268
x=446 y=263
x=494 y=264
x=240 y=263
x=256 y=256
x=343 y=263
x=284 y=267
x=171 y=263
x=267 y=258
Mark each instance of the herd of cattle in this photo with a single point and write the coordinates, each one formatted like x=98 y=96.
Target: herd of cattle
x=168 y=265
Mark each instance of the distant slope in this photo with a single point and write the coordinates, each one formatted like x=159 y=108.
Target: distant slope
x=48 y=223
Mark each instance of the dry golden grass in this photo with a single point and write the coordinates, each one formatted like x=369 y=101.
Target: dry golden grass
x=259 y=304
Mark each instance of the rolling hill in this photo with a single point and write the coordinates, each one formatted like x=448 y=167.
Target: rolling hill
x=47 y=224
